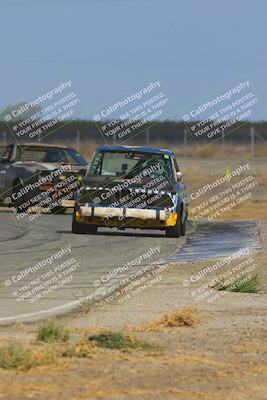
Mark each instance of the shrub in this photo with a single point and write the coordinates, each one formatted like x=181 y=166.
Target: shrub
x=53 y=332
x=116 y=340
x=17 y=356
x=242 y=285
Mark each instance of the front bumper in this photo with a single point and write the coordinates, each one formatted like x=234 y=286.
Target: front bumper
x=126 y=217
x=68 y=203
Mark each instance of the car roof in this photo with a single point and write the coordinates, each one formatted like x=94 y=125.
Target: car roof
x=58 y=146
x=141 y=149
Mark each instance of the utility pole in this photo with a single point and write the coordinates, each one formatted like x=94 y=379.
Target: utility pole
x=147 y=137
x=114 y=139
x=223 y=144
x=78 y=138
x=185 y=141
x=252 y=139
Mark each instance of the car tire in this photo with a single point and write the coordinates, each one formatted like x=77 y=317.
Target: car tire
x=79 y=228
x=183 y=225
x=174 y=231
x=58 y=210
x=183 y=228
x=177 y=230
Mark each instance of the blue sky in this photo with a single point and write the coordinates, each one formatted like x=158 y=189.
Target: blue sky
x=106 y=47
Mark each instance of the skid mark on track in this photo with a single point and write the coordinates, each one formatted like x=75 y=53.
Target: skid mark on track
x=219 y=239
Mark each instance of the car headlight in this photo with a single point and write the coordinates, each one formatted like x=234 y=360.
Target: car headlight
x=79 y=192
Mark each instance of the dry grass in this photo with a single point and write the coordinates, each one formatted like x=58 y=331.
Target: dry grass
x=178 y=318
x=212 y=151
x=249 y=346
x=17 y=355
x=215 y=151
x=250 y=209
x=83 y=349
x=22 y=356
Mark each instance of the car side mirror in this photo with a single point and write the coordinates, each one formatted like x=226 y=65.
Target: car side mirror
x=179 y=175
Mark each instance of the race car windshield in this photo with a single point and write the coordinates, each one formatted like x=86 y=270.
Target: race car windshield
x=131 y=165
x=77 y=157
x=52 y=155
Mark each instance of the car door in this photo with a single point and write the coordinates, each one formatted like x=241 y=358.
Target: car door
x=6 y=154
x=179 y=183
x=180 y=188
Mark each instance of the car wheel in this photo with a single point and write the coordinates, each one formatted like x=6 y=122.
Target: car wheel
x=58 y=210
x=177 y=230
x=183 y=225
x=183 y=228
x=79 y=228
x=174 y=231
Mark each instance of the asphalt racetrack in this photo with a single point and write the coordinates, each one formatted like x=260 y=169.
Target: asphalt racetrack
x=45 y=269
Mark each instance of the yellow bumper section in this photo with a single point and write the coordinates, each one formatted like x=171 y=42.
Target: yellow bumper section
x=157 y=219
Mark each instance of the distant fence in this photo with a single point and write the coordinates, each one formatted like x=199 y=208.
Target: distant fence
x=168 y=132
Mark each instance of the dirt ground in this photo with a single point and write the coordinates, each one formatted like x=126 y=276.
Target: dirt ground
x=223 y=355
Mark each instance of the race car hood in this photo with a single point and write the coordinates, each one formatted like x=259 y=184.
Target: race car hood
x=34 y=166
